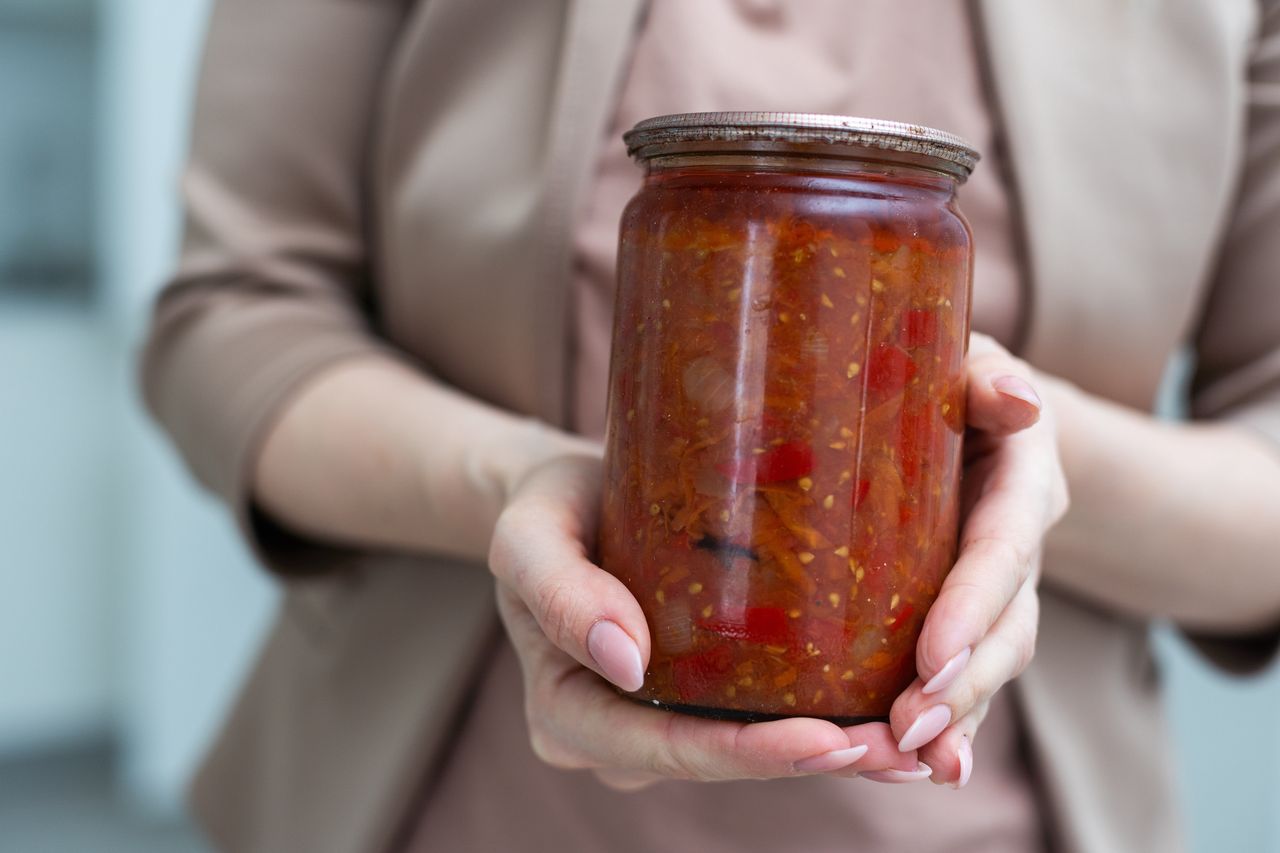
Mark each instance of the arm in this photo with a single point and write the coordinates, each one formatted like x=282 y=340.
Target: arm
x=261 y=363
x=408 y=463
x=268 y=291
x=1180 y=519
x=1167 y=519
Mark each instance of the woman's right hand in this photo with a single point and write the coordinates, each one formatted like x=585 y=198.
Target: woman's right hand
x=574 y=626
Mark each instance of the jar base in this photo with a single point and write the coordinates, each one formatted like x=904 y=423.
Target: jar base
x=736 y=716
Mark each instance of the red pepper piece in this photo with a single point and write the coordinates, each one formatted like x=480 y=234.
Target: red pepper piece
x=860 y=492
x=914 y=438
x=829 y=636
x=885 y=241
x=919 y=328
x=889 y=369
x=765 y=625
x=782 y=462
x=701 y=674
x=900 y=617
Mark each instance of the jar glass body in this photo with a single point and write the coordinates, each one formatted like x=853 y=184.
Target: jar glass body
x=786 y=408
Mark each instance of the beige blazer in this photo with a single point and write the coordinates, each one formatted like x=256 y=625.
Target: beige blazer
x=377 y=174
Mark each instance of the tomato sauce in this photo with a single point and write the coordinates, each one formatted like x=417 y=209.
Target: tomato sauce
x=786 y=408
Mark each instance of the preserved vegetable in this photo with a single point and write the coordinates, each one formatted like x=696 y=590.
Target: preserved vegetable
x=786 y=408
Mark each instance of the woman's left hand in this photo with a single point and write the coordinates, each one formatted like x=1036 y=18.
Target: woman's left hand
x=981 y=631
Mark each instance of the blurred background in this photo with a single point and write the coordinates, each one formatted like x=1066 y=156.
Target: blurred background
x=128 y=609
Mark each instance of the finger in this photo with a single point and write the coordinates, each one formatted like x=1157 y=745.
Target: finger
x=950 y=754
x=533 y=650
x=879 y=753
x=578 y=722
x=1001 y=396
x=882 y=754
x=918 y=718
x=538 y=551
x=627 y=780
x=999 y=548
x=605 y=730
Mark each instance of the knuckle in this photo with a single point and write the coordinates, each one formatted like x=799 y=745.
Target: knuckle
x=499 y=549
x=962 y=696
x=1061 y=497
x=1001 y=551
x=557 y=608
x=972 y=720
x=540 y=695
x=1024 y=645
x=550 y=750
x=546 y=738
x=622 y=781
x=979 y=601
x=1025 y=653
x=676 y=764
x=985 y=600
x=511 y=529
x=670 y=761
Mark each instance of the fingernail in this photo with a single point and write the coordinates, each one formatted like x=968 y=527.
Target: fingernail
x=948 y=673
x=965 y=754
x=616 y=654
x=897 y=777
x=833 y=760
x=927 y=726
x=1016 y=386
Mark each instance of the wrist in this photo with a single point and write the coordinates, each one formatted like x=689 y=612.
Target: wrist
x=1066 y=407
x=497 y=465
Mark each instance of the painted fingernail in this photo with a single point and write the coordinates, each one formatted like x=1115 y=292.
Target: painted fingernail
x=836 y=759
x=927 y=726
x=1017 y=387
x=943 y=678
x=897 y=777
x=616 y=654
x=965 y=755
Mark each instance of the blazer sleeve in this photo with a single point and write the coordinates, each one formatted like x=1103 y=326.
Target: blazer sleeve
x=1237 y=346
x=272 y=280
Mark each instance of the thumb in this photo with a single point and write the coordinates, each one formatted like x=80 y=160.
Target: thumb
x=539 y=551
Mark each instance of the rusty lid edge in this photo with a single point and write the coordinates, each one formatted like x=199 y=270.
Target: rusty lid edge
x=800 y=127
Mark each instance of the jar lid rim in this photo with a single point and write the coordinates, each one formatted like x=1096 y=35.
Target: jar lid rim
x=644 y=139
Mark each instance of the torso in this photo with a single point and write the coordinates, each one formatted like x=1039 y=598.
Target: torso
x=908 y=60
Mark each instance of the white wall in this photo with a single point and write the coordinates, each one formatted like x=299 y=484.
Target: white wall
x=45 y=162
x=195 y=605
x=54 y=656
x=1226 y=743
x=128 y=604
x=55 y=662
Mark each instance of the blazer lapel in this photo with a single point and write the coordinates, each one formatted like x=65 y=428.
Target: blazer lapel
x=1123 y=149
x=597 y=44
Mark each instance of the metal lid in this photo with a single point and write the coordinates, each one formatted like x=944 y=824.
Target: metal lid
x=655 y=136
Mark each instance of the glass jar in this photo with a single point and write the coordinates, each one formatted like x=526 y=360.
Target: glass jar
x=786 y=407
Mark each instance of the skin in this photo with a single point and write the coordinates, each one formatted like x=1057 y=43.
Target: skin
x=413 y=465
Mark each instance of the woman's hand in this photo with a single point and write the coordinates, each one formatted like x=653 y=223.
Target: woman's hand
x=980 y=633
x=571 y=621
